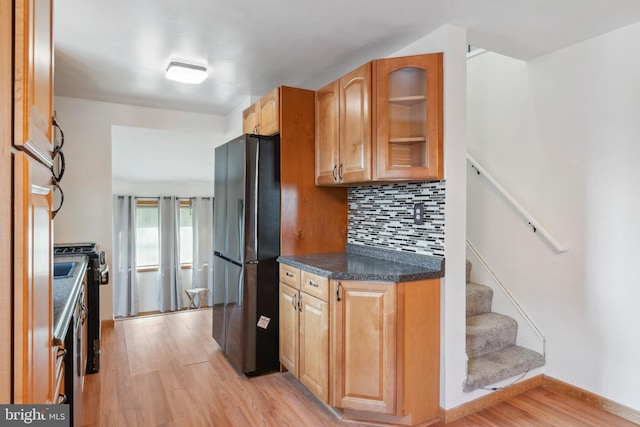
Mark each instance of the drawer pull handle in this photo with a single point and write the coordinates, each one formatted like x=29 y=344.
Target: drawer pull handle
x=300 y=303
x=293 y=301
x=338 y=292
x=61 y=353
x=62 y=398
x=288 y=274
x=315 y=285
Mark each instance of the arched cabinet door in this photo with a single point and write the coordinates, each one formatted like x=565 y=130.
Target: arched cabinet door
x=327 y=128
x=355 y=126
x=33 y=78
x=408 y=140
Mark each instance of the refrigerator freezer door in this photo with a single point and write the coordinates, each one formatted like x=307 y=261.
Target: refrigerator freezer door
x=219 y=298
x=240 y=310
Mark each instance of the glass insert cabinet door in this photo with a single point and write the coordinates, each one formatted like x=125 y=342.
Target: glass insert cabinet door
x=408 y=142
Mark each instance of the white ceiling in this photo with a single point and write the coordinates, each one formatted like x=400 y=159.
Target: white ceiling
x=117 y=50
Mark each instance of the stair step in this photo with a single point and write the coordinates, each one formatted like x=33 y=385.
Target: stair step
x=490 y=332
x=479 y=298
x=495 y=367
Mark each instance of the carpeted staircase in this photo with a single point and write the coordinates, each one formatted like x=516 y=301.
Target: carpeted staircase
x=491 y=342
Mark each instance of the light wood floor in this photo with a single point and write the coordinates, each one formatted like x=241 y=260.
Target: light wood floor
x=166 y=370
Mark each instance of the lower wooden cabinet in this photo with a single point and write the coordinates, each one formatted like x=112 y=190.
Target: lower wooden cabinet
x=363 y=353
x=385 y=350
x=314 y=345
x=304 y=329
x=34 y=362
x=370 y=349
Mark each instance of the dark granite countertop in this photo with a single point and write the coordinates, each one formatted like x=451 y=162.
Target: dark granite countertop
x=65 y=294
x=359 y=262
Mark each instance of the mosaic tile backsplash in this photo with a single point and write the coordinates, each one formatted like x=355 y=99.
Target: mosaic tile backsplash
x=382 y=216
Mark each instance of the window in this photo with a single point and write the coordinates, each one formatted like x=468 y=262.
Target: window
x=186 y=234
x=148 y=235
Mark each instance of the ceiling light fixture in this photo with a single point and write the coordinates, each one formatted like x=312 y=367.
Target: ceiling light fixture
x=186 y=73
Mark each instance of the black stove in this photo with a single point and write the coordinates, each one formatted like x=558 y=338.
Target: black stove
x=97 y=274
x=78 y=249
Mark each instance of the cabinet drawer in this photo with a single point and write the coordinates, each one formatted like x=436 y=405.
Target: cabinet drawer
x=315 y=285
x=290 y=275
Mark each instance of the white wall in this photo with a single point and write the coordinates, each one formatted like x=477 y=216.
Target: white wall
x=157 y=155
x=561 y=134
x=452 y=41
x=87 y=213
x=233 y=120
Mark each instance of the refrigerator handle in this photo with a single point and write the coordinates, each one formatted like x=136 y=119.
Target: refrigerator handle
x=241 y=287
x=240 y=229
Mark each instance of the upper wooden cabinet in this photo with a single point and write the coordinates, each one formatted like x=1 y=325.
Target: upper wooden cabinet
x=408 y=141
x=327 y=148
x=269 y=113
x=33 y=84
x=355 y=126
x=381 y=123
x=343 y=129
x=263 y=117
x=250 y=119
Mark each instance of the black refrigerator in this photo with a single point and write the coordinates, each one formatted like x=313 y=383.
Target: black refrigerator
x=246 y=245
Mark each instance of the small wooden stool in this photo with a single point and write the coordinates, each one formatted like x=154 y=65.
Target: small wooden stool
x=200 y=293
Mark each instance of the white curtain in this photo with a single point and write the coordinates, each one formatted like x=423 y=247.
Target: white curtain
x=125 y=286
x=170 y=289
x=202 y=272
